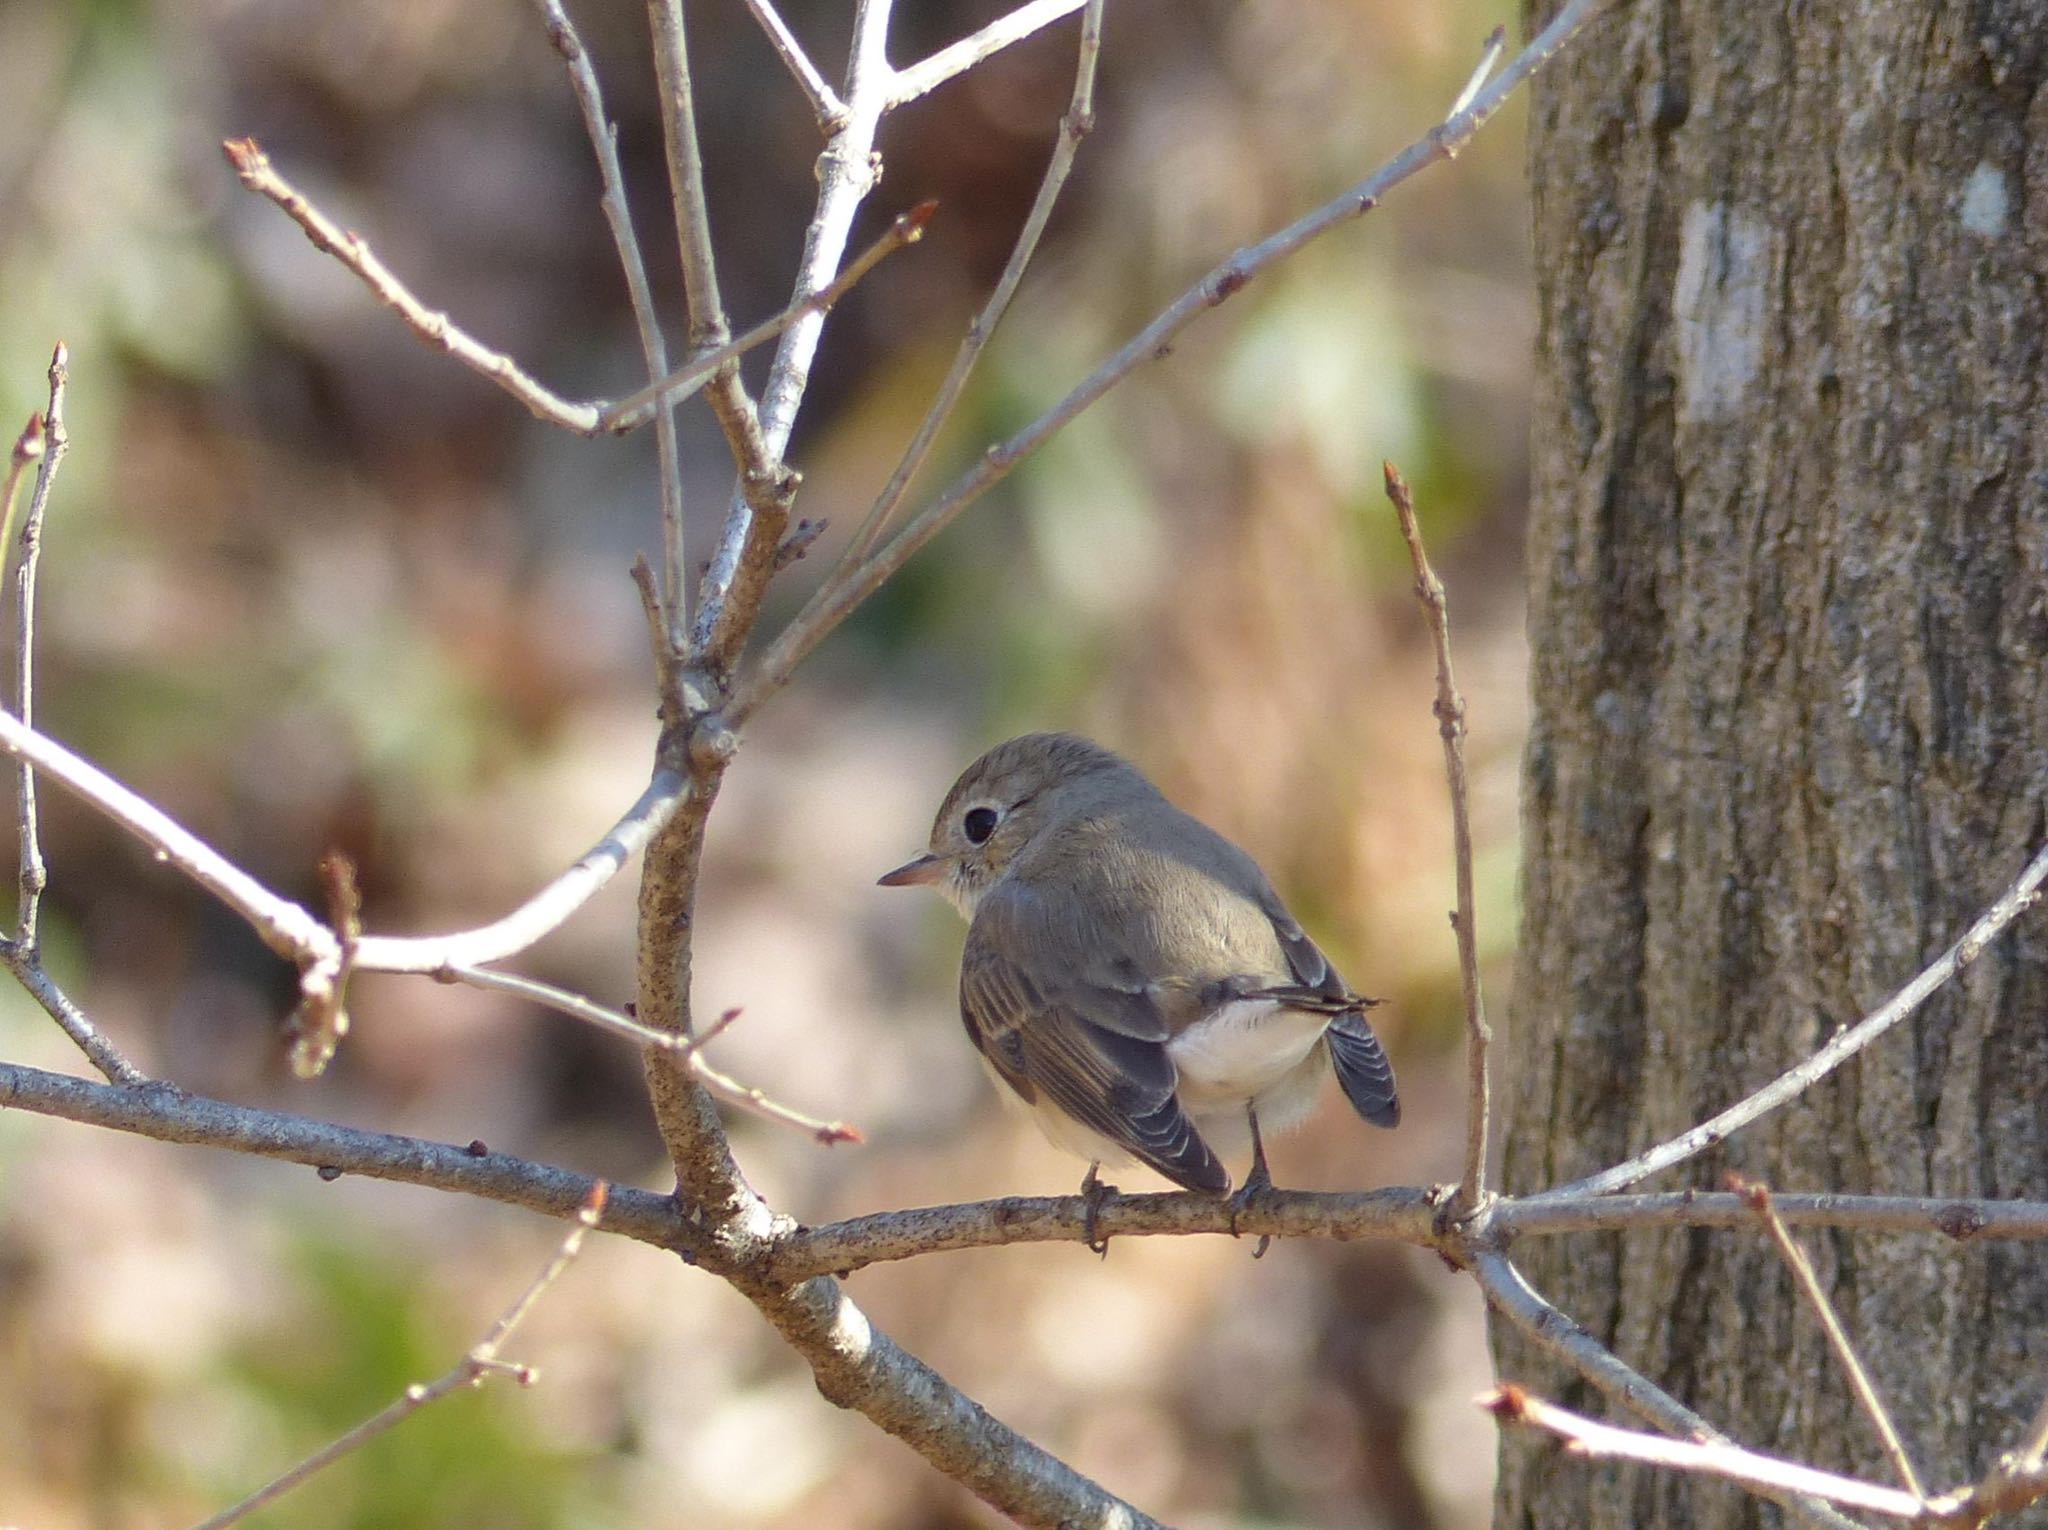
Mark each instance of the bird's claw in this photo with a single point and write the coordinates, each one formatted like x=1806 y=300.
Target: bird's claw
x=1095 y=1194
x=1256 y=1184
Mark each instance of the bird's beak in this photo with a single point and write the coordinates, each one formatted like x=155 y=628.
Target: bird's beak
x=921 y=872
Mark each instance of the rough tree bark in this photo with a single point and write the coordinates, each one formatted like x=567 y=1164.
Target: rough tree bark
x=1789 y=564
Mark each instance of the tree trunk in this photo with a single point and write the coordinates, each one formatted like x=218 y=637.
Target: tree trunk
x=1789 y=566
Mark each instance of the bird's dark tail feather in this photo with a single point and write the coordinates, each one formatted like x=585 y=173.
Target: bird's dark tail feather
x=1363 y=1069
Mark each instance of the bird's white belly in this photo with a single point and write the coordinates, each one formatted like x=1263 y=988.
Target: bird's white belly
x=1236 y=1053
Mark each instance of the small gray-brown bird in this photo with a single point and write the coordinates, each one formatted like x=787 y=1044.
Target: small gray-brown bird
x=1130 y=974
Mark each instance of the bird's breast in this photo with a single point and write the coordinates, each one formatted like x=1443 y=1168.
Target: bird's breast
x=1240 y=1049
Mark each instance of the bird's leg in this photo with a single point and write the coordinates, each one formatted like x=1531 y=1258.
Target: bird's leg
x=1256 y=1183
x=1097 y=1195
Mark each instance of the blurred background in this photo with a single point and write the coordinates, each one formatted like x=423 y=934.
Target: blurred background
x=309 y=585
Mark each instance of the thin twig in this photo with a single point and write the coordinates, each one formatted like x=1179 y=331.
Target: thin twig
x=856 y=1365
x=290 y=929
x=286 y=927
x=1450 y=721
x=1074 y=126
x=1794 y=1082
x=737 y=415
x=848 y=170
x=547 y=910
x=54 y=438
x=165 y=1113
x=753 y=1100
x=590 y=1012
x=632 y=411
x=1960 y=1220
x=717 y=1028
x=255 y=171
x=28 y=969
x=957 y=58
x=470 y=1371
x=833 y=605
x=686 y=173
x=28 y=448
x=1496 y=44
x=1758 y=1199
x=618 y=216
x=1556 y=1335
x=2016 y=1480
x=1760 y=1473
x=825 y=103
x=565 y=1002
x=586 y=418
x=2034 y=1445
x=320 y=1019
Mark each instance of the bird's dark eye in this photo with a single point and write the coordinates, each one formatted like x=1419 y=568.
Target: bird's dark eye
x=980 y=824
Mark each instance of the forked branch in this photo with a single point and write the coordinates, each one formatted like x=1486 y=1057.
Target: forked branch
x=846 y=592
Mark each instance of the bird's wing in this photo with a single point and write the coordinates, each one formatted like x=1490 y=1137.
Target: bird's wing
x=1314 y=978
x=1094 y=1048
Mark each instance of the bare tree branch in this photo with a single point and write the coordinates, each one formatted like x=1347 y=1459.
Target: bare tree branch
x=632 y=410
x=1960 y=1220
x=1770 y=1476
x=858 y=1366
x=29 y=971
x=618 y=216
x=292 y=930
x=1443 y=141
x=28 y=447
x=1789 y=1085
x=1074 y=126
x=1489 y=57
x=546 y=910
x=169 y=1114
x=1450 y=721
x=762 y=480
x=320 y=1019
x=686 y=173
x=1556 y=1335
x=252 y=166
x=957 y=58
x=286 y=927
x=585 y=418
x=45 y=439
x=43 y=442
x=727 y=1088
x=825 y=103
x=482 y=1361
x=2017 y=1479
x=1758 y=1199
x=847 y=171
x=1404 y=1213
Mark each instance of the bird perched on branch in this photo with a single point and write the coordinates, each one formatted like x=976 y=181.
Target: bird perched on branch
x=1131 y=975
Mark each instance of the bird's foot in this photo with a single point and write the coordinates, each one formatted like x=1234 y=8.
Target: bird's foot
x=1256 y=1184
x=1096 y=1194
